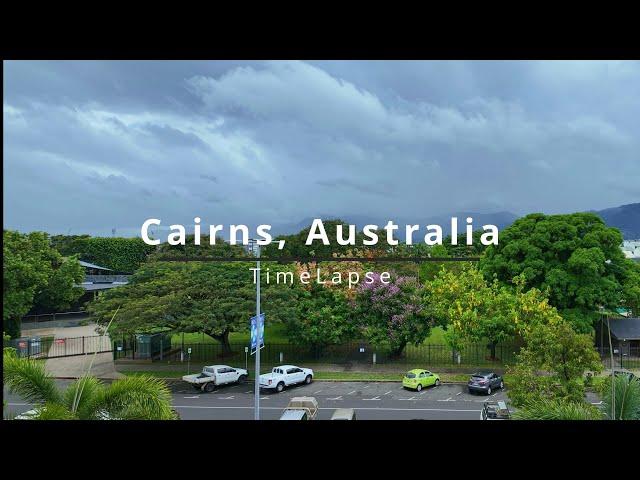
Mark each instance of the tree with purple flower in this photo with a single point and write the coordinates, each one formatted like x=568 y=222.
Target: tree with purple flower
x=391 y=313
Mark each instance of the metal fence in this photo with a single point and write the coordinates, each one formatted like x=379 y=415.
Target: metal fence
x=50 y=347
x=352 y=353
x=624 y=356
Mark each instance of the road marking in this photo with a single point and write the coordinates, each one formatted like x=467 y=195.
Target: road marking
x=227 y=398
x=265 y=398
x=459 y=393
x=377 y=397
x=366 y=386
x=194 y=396
x=412 y=398
x=330 y=408
x=388 y=392
x=250 y=391
x=351 y=393
x=317 y=392
x=422 y=393
x=446 y=400
x=336 y=398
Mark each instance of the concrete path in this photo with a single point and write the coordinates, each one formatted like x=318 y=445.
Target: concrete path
x=82 y=339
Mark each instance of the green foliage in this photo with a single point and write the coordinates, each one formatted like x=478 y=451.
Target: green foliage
x=215 y=298
x=474 y=310
x=295 y=244
x=123 y=255
x=627 y=398
x=555 y=409
x=133 y=398
x=391 y=314
x=35 y=274
x=566 y=255
x=562 y=355
x=322 y=317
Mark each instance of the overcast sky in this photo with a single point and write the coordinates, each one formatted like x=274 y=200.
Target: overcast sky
x=91 y=146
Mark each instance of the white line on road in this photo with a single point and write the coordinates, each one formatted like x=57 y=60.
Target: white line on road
x=388 y=392
x=250 y=391
x=336 y=398
x=265 y=398
x=366 y=386
x=459 y=393
x=446 y=400
x=377 y=397
x=412 y=398
x=329 y=408
x=194 y=396
x=227 y=398
x=351 y=393
x=317 y=392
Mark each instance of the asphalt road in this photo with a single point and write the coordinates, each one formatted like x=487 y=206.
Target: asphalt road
x=372 y=401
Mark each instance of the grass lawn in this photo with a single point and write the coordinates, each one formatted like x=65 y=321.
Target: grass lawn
x=277 y=334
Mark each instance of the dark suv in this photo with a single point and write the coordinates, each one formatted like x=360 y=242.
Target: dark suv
x=485 y=382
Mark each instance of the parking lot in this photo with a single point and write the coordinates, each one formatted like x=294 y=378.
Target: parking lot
x=371 y=400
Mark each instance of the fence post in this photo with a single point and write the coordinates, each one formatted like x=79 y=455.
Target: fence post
x=83 y=345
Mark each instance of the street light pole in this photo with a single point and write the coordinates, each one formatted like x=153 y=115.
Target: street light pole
x=256 y=415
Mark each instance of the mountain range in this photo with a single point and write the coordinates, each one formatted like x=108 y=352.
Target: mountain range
x=625 y=217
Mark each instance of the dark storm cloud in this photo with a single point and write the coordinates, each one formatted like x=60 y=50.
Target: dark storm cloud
x=91 y=146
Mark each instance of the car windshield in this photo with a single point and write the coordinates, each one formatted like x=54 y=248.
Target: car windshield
x=478 y=377
x=410 y=375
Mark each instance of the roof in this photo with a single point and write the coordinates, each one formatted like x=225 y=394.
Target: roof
x=343 y=414
x=91 y=265
x=625 y=328
x=100 y=286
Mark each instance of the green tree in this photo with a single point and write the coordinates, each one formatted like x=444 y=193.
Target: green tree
x=576 y=257
x=391 y=314
x=562 y=355
x=215 y=298
x=132 y=398
x=35 y=274
x=474 y=310
x=322 y=317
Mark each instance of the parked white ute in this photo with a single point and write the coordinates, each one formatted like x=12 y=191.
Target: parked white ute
x=285 y=375
x=214 y=375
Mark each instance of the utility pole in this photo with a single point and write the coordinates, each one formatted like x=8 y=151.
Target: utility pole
x=613 y=377
x=256 y=415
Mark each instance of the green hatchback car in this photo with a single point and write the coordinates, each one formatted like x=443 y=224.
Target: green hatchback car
x=418 y=378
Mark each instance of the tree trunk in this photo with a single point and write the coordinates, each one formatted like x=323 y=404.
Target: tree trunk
x=223 y=339
x=492 y=347
x=397 y=350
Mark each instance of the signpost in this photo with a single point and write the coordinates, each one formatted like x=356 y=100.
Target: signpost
x=259 y=319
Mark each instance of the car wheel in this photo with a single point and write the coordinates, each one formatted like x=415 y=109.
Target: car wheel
x=242 y=378
x=419 y=387
x=209 y=387
x=501 y=385
x=438 y=382
x=308 y=379
x=489 y=391
x=280 y=387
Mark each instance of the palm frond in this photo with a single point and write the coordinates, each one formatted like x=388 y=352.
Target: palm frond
x=53 y=411
x=81 y=395
x=29 y=379
x=136 y=398
x=627 y=398
x=556 y=409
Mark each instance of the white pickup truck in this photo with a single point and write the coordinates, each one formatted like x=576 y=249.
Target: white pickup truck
x=284 y=376
x=214 y=375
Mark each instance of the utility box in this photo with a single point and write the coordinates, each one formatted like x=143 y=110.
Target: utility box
x=28 y=346
x=151 y=346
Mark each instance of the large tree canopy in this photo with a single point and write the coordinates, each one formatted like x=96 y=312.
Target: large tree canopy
x=35 y=275
x=576 y=257
x=215 y=298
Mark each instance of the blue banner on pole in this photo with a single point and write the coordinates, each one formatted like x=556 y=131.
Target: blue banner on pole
x=257 y=331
